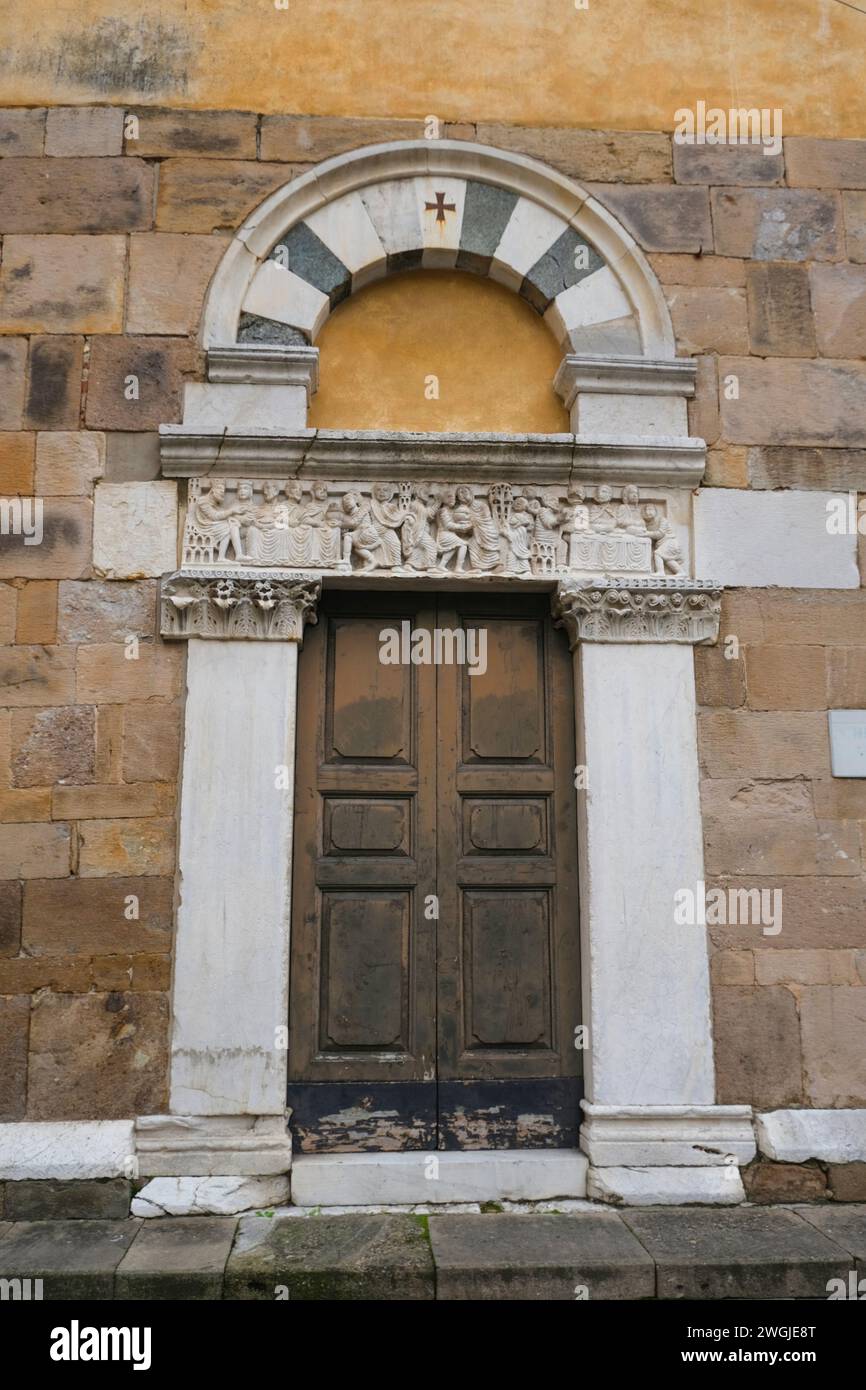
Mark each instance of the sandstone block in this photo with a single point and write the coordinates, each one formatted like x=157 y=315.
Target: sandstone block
x=151 y=973
x=732 y=968
x=106 y=675
x=309 y=139
x=84 y=130
x=817 y=911
x=784 y=1182
x=727 y=465
x=659 y=218
x=106 y=610
x=833 y=1023
x=14 y=1028
x=26 y=804
x=733 y=163
x=751 y=845
x=17 y=462
x=795 y=402
x=22 y=131
x=126 y=847
x=137 y=383
x=97 y=1056
x=719 y=681
x=168 y=276
x=839 y=295
x=842 y=798
x=726 y=799
x=37 y=613
x=615 y=156
x=786 y=678
x=54 y=384
x=109 y=743
x=53 y=745
x=798 y=618
x=198 y=195
x=764 y=744
x=13 y=374
x=854 y=212
x=76 y=195
x=847 y=1181
x=36 y=676
x=67 y=464
x=780 y=310
x=132 y=458
x=112 y=802
x=846 y=677
x=777 y=224
x=64 y=550
x=151 y=741
x=835 y=470
x=709 y=320
x=811 y=967
x=757 y=1044
x=8 y=613
x=84 y=916
x=135 y=529
x=815 y=163
x=218 y=134
x=704 y=270
x=10 y=917
x=34 y=851
x=704 y=420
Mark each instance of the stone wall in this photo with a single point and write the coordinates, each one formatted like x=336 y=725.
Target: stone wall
x=107 y=248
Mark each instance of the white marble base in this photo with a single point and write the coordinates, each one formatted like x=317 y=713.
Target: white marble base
x=657 y=1187
x=407 y=1179
x=207 y=1145
x=66 y=1149
x=216 y=1196
x=795 y=1136
x=699 y=1136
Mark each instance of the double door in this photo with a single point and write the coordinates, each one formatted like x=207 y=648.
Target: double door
x=434 y=984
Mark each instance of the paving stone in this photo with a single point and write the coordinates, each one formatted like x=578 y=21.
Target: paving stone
x=76 y=195
x=177 y=1257
x=744 y=1253
x=52 y=1199
x=380 y=1258
x=75 y=1259
x=539 y=1257
x=844 y=1225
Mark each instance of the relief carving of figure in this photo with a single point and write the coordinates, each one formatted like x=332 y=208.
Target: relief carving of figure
x=483 y=535
x=603 y=517
x=219 y=523
x=361 y=536
x=668 y=557
x=515 y=538
x=264 y=537
x=452 y=531
x=628 y=514
x=417 y=540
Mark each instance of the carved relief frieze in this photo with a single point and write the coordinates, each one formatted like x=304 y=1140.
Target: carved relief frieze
x=430 y=528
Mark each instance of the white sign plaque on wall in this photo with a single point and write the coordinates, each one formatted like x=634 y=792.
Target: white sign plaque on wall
x=848 y=742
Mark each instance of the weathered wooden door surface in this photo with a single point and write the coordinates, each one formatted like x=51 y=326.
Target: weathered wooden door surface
x=435 y=975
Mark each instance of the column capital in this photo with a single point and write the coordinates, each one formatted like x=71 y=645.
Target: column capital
x=271 y=607
x=658 y=608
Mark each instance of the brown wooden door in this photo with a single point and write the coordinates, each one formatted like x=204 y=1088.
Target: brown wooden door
x=434 y=976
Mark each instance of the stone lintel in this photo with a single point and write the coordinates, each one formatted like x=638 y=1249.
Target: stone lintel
x=656 y=608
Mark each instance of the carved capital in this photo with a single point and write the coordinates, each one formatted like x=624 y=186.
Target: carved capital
x=656 y=609
x=270 y=607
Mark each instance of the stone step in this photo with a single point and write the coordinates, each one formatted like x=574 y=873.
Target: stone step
x=653 y=1253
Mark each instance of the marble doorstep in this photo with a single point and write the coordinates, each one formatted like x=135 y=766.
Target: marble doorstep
x=750 y=1252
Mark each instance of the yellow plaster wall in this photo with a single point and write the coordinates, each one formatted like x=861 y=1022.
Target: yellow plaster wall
x=493 y=357
x=618 y=63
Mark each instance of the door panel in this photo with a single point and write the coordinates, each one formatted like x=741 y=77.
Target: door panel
x=409 y=1031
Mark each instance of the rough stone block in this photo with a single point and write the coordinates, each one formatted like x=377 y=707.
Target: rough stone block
x=199 y=195
x=777 y=224
x=795 y=402
x=75 y=1259
x=732 y=163
x=54 y=744
x=661 y=219
x=764 y=744
x=63 y=284
x=17 y=458
x=210 y=1196
x=727 y=465
x=344 y=1258
x=28 y=804
x=736 y=1254
x=757 y=1044
x=132 y=458
x=703 y=408
x=178 y=1257
x=168 y=277
x=545 y=1257
x=719 y=681
x=615 y=156
x=125 y=847
x=97 y=1056
x=88 y=916
x=10 y=918
x=67 y=464
x=8 y=612
x=704 y=270
x=818 y=967
x=84 y=130
x=839 y=296
x=76 y=195
x=815 y=163
x=309 y=139
x=154 y=368
x=846 y=677
x=780 y=310
x=135 y=529
x=14 y=1027
x=34 y=851
x=732 y=968
x=784 y=1182
x=847 y=1182
x=53 y=1199
x=752 y=846
x=833 y=1025
x=709 y=320
x=151 y=741
x=105 y=676
x=54 y=383
x=829 y=912
x=217 y=134
x=22 y=131
x=786 y=677
x=105 y=610
x=37 y=612
x=794 y=1136
x=832 y=469
x=13 y=371
x=104 y=803
x=854 y=212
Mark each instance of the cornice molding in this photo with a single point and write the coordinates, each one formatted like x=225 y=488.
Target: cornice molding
x=655 y=609
x=624 y=376
x=264 y=364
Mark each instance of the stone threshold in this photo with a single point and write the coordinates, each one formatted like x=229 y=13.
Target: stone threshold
x=583 y=1254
